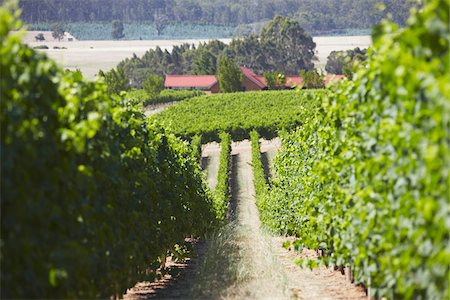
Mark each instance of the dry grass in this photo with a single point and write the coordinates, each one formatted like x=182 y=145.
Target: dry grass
x=239 y=264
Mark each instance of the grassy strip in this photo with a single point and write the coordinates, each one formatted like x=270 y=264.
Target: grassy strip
x=222 y=191
x=259 y=178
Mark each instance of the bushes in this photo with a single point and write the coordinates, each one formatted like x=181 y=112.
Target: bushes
x=153 y=85
x=367 y=179
x=40 y=47
x=92 y=193
x=240 y=113
x=222 y=190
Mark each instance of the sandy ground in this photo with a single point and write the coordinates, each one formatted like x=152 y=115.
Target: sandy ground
x=326 y=44
x=210 y=163
x=92 y=56
x=29 y=38
x=268 y=152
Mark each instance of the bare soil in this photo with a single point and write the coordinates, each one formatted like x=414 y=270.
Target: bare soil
x=176 y=280
x=320 y=283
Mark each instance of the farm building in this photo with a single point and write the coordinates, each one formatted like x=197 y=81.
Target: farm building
x=206 y=83
x=251 y=82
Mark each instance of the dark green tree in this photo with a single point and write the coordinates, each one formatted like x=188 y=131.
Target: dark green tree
x=345 y=62
x=161 y=22
x=275 y=80
x=250 y=52
x=230 y=75
x=117 y=30
x=312 y=79
x=115 y=80
x=205 y=63
x=282 y=45
x=287 y=45
x=58 y=31
x=154 y=84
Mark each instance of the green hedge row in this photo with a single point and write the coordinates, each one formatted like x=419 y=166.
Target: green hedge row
x=92 y=194
x=222 y=190
x=166 y=96
x=196 y=145
x=367 y=179
x=239 y=114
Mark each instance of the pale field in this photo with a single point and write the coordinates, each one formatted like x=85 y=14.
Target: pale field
x=92 y=56
x=326 y=44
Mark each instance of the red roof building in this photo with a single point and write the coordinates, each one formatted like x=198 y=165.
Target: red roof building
x=295 y=80
x=251 y=81
x=207 y=83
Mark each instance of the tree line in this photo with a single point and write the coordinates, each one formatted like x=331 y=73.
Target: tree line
x=282 y=46
x=314 y=15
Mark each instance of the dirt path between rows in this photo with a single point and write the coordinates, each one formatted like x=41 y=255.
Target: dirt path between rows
x=153 y=109
x=263 y=277
x=242 y=260
x=210 y=163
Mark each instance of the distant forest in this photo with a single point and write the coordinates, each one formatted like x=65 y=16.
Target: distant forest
x=313 y=15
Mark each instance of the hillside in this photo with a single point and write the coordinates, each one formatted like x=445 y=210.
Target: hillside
x=157 y=17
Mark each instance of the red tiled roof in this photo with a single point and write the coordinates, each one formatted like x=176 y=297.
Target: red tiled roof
x=333 y=78
x=294 y=80
x=290 y=80
x=207 y=81
x=190 y=81
x=297 y=80
x=253 y=77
